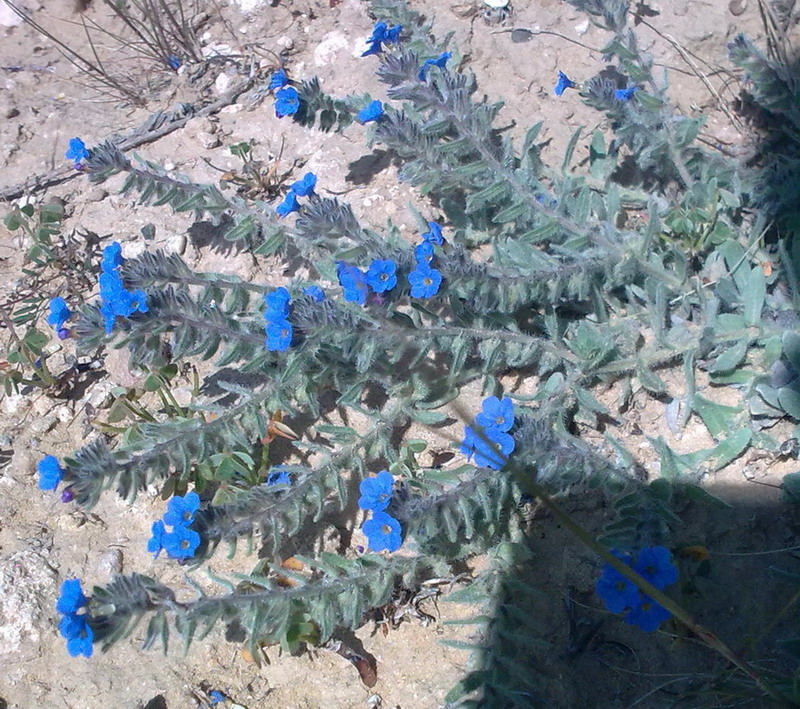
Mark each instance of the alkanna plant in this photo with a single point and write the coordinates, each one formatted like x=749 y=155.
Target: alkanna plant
x=585 y=282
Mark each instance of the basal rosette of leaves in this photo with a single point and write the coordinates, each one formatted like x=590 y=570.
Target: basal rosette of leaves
x=394 y=329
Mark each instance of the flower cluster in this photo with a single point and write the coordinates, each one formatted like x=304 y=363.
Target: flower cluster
x=382 y=34
x=301 y=188
x=116 y=301
x=621 y=595
x=77 y=151
x=382 y=530
x=74 y=626
x=287 y=100
x=59 y=314
x=276 y=316
x=181 y=542
x=425 y=280
x=440 y=61
x=488 y=439
x=50 y=473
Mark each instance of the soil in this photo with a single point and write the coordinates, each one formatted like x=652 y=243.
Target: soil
x=44 y=102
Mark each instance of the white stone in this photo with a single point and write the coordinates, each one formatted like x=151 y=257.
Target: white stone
x=248 y=5
x=285 y=42
x=496 y=4
x=222 y=83
x=582 y=27
x=332 y=43
x=9 y=18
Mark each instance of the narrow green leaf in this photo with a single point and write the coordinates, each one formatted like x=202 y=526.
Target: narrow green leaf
x=753 y=296
x=718 y=418
x=731 y=448
x=730 y=358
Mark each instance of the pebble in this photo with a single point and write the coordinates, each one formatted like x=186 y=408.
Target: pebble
x=285 y=42
x=208 y=140
x=222 y=84
x=176 y=244
x=110 y=562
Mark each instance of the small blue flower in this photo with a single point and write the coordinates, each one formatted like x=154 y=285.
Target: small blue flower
x=112 y=257
x=71 y=599
x=383 y=532
x=289 y=205
x=59 y=313
x=440 y=61
x=50 y=473
x=625 y=94
x=155 y=544
x=378 y=32
x=376 y=493
x=174 y=62
x=617 y=592
x=279 y=335
x=374 y=48
x=278 y=80
x=181 y=542
x=277 y=304
x=434 y=236
x=496 y=413
x=278 y=476
x=382 y=34
x=75 y=629
x=382 y=275
x=647 y=614
x=423 y=253
x=216 y=697
x=392 y=35
x=371 y=113
x=655 y=565
x=135 y=302
x=490 y=447
x=180 y=510
x=315 y=293
x=353 y=282
x=563 y=83
x=425 y=281
x=287 y=102
x=305 y=187
x=77 y=151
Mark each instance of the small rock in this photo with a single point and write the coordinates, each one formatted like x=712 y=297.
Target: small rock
x=233 y=108
x=176 y=244
x=11 y=112
x=285 y=42
x=582 y=28
x=209 y=140
x=9 y=18
x=222 y=84
x=110 y=562
x=96 y=194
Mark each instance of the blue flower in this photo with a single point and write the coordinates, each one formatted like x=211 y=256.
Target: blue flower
x=371 y=113
x=71 y=599
x=563 y=83
x=392 y=35
x=305 y=187
x=50 y=473
x=378 y=32
x=112 y=257
x=374 y=48
x=434 y=236
x=496 y=413
x=315 y=293
x=382 y=275
x=382 y=34
x=156 y=542
x=617 y=592
x=287 y=102
x=75 y=629
x=424 y=281
x=625 y=94
x=289 y=205
x=278 y=476
x=174 y=62
x=423 y=253
x=655 y=565
x=353 y=282
x=440 y=61
x=180 y=510
x=279 y=335
x=647 y=614
x=181 y=542
x=376 y=493
x=277 y=303
x=383 y=532
x=59 y=313
x=216 y=697
x=278 y=80
x=77 y=151
x=490 y=447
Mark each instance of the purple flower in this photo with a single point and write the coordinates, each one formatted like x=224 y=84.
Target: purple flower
x=67 y=495
x=353 y=282
x=425 y=281
x=563 y=83
x=156 y=542
x=376 y=493
x=278 y=476
x=50 y=473
x=315 y=293
x=289 y=205
x=59 y=313
x=381 y=275
x=279 y=335
x=440 y=61
x=625 y=94
x=423 y=253
x=278 y=80
x=305 y=187
x=383 y=532
x=434 y=235
x=287 y=102
x=371 y=113
x=180 y=510
x=181 y=542
x=77 y=151
x=496 y=413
